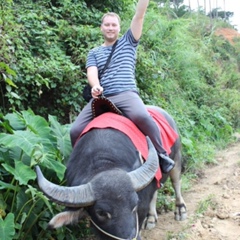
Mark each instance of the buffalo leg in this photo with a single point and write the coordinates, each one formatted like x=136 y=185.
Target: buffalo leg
x=151 y=220
x=175 y=176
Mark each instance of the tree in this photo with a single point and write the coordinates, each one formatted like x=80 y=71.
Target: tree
x=210 y=7
x=217 y=8
x=224 y=9
x=215 y=13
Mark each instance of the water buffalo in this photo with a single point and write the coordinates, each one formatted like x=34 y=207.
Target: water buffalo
x=107 y=181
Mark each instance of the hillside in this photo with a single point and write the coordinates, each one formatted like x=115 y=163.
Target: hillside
x=229 y=34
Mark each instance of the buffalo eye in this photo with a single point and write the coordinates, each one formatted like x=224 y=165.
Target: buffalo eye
x=102 y=215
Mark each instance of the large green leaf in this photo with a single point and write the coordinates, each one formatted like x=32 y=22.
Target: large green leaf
x=3 y=154
x=16 y=121
x=22 y=139
x=5 y=125
x=4 y=185
x=31 y=145
x=58 y=167
x=36 y=124
x=29 y=121
x=49 y=159
x=21 y=172
x=7 y=227
x=62 y=135
x=8 y=155
x=23 y=202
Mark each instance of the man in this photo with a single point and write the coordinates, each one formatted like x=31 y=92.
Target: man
x=117 y=82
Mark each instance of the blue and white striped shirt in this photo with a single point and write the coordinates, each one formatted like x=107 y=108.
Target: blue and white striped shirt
x=120 y=73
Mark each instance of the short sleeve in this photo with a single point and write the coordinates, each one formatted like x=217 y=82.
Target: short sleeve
x=91 y=60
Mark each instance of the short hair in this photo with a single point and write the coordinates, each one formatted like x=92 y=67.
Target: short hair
x=112 y=14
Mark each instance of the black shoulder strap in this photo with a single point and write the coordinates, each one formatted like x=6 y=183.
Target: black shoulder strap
x=109 y=59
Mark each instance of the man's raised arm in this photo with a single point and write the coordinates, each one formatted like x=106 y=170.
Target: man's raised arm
x=138 y=18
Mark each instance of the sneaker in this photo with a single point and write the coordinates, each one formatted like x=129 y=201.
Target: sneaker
x=166 y=163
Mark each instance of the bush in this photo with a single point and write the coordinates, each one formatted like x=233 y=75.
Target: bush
x=27 y=140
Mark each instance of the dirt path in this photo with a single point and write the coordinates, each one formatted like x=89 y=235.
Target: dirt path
x=213 y=204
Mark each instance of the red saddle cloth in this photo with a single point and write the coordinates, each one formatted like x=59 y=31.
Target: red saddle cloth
x=123 y=124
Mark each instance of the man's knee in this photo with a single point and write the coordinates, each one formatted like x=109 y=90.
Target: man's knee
x=140 y=118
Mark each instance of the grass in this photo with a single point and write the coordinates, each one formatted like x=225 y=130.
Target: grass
x=205 y=204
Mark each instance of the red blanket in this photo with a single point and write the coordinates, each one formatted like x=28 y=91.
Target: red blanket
x=168 y=135
x=111 y=120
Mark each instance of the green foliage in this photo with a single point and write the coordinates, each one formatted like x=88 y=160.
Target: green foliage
x=7 y=228
x=215 y=13
x=46 y=57
x=7 y=74
x=109 y=5
x=184 y=72
x=47 y=53
x=182 y=66
x=165 y=200
x=206 y=204
x=27 y=140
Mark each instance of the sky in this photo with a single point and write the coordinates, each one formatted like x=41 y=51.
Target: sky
x=230 y=6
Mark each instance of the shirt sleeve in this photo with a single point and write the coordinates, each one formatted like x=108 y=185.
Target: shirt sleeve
x=130 y=38
x=91 y=60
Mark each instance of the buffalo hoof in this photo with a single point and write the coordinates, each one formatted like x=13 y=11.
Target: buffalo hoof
x=150 y=222
x=180 y=213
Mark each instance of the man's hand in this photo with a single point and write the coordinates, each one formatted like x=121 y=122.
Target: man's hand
x=96 y=91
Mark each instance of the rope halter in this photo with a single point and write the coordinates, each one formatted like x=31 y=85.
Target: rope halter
x=115 y=237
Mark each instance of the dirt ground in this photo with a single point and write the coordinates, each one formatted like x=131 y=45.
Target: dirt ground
x=213 y=204
x=228 y=33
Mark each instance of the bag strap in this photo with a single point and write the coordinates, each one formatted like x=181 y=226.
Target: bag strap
x=109 y=59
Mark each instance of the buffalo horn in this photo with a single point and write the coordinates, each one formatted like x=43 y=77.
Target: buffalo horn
x=79 y=196
x=142 y=176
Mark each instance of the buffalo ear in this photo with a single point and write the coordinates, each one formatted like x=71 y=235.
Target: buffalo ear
x=66 y=218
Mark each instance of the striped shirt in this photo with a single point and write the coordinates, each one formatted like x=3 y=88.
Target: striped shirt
x=120 y=73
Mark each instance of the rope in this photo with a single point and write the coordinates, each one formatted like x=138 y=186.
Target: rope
x=115 y=237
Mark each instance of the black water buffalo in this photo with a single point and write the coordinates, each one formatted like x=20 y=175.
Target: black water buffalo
x=108 y=183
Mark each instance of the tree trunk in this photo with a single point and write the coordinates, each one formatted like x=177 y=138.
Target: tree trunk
x=216 y=9
x=210 y=8
x=189 y=3
x=224 y=9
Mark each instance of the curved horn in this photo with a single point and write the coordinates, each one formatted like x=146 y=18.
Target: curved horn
x=142 y=176
x=79 y=196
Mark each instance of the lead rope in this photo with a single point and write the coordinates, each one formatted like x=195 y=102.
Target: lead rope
x=114 y=237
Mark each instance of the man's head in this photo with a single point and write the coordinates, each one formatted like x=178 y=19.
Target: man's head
x=110 y=26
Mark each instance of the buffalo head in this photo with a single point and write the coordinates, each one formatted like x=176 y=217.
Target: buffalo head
x=110 y=198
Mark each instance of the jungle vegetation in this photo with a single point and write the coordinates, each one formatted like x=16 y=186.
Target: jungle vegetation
x=182 y=66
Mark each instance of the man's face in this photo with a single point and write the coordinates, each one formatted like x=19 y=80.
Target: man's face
x=110 y=28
